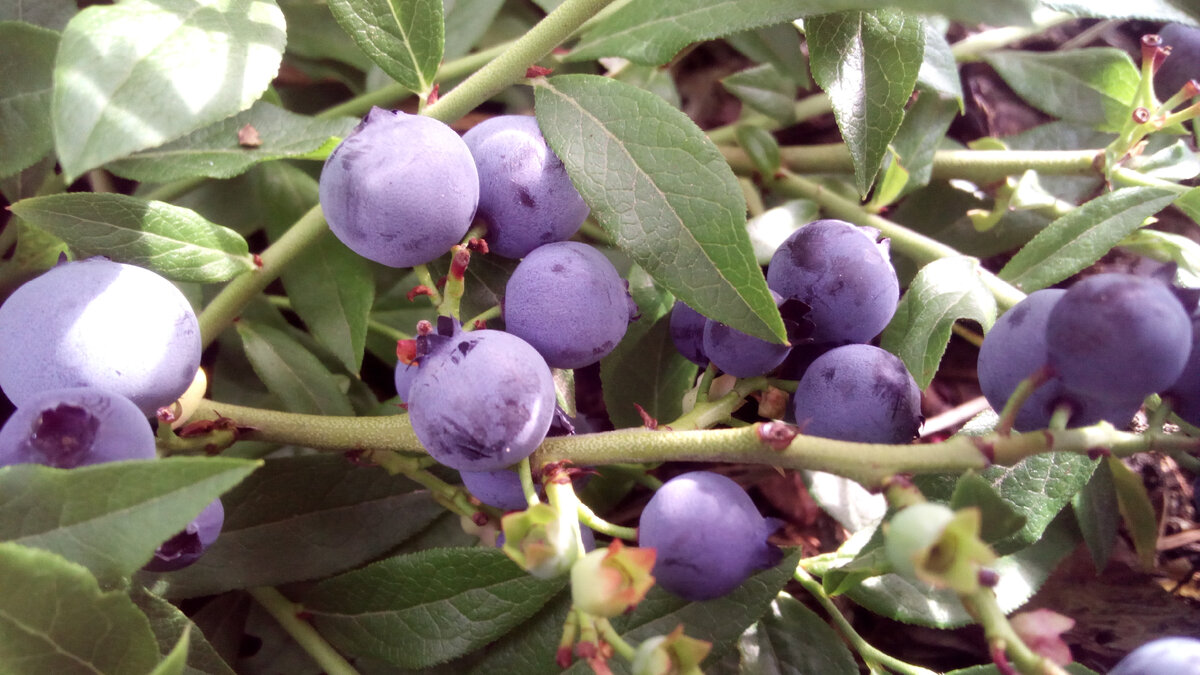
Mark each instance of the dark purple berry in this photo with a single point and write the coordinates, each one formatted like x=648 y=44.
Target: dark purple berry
x=687 y=332
x=66 y=428
x=858 y=393
x=187 y=546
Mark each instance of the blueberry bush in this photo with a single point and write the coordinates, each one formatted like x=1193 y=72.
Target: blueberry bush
x=390 y=336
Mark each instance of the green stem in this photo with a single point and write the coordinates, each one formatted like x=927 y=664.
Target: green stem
x=805 y=109
x=484 y=316
x=1137 y=178
x=596 y=233
x=525 y=472
x=1000 y=635
x=452 y=497
x=865 y=462
x=614 y=640
x=871 y=656
x=589 y=518
x=424 y=278
x=285 y=612
x=972 y=48
x=449 y=72
x=510 y=67
x=709 y=413
x=224 y=308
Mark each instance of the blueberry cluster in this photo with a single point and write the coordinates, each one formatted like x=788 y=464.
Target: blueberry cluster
x=1102 y=346
x=103 y=345
x=836 y=289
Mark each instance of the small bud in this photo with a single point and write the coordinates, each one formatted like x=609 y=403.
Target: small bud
x=537 y=71
x=539 y=541
x=1141 y=115
x=609 y=582
x=458 y=264
x=674 y=654
x=1042 y=630
x=931 y=543
x=248 y=137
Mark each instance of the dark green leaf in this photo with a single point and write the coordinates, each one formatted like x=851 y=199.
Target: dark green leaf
x=778 y=45
x=117 y=92
x=868 y=63
x=330 y=286
x=1000 y=519
x=315 y=36
x=645 y=369
x=925 y=125
x=762 y=147
x=664 y=192
x=216 y=152
x=528 y=649
x=55 y=619
x=110 y=517
x=719 y=621
x=653 y=32
x=943 y=292
x=172 y=241
x=1189 y=203
x=657 y=81
x=425 y=608
x=765 y=89
x=1096 y=511
x=170 y=625
x=1152 y=10
x=404 y=37
x=1091 y=86
x=791 y=639
x=1039 y=488
x=1136 y=510
x=1081 y=237
x=52 y=14
x=939 y=69
x=291 y=372
x=26 y=79
x=1021 y=574
x=301 y=518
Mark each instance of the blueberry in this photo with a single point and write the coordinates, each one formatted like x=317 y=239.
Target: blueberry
x=567 y=300
x=858 y=393
x=525 y=194
x=1164 y=656
x=1118 y=337
x=400 y=189
x=843 y=274
x=188 y=545
x=687 y=333
x=501 y=489
x=97 y=323
x=482 y=401
x=708 y=535
x=1184 y=62
x=66 y=428
x=740 y=354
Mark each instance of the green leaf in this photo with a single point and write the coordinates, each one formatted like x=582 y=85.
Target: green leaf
x=769 y=229
x=52 y=14
x=991 y=669
x=301 y=518
x=140 y=73
x=939 y=69
x=175 y=662
x=1000 y=519
x=529 y=648
x=1095 y=508
x=1189 y=203
x=404 y=37
x=763 y=149
x=664 y=192
x=1092 y=86
x=425 y=608
x=791 y=639
x=1152 y=10
x=1021 y=574
x=174 y=242
x=26 y=80
x=868 y=63
x=291 y=372
x=1136 y=510
x=55 y=619
x=943 y=292
x=215 y=152
x=170 y=626
x=765 y=89
x=330 y=286
x=466 y=22
x=925 y=125
x=1080 y=238
x=110 y=517
x=778 y=45
x=645 y=369
x=653 y=32
x=719 y=621
x=1168 y=247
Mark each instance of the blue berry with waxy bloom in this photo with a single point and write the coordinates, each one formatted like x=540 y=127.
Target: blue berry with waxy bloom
x=858 y=393
x=66 y=428
x=525 y=195
x=400 y=189
x=708 y=535
x=568 y=301
x=189 y=544
x=740 y=354
x=1164 y=656
x=98 y=323
x=687 y=333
